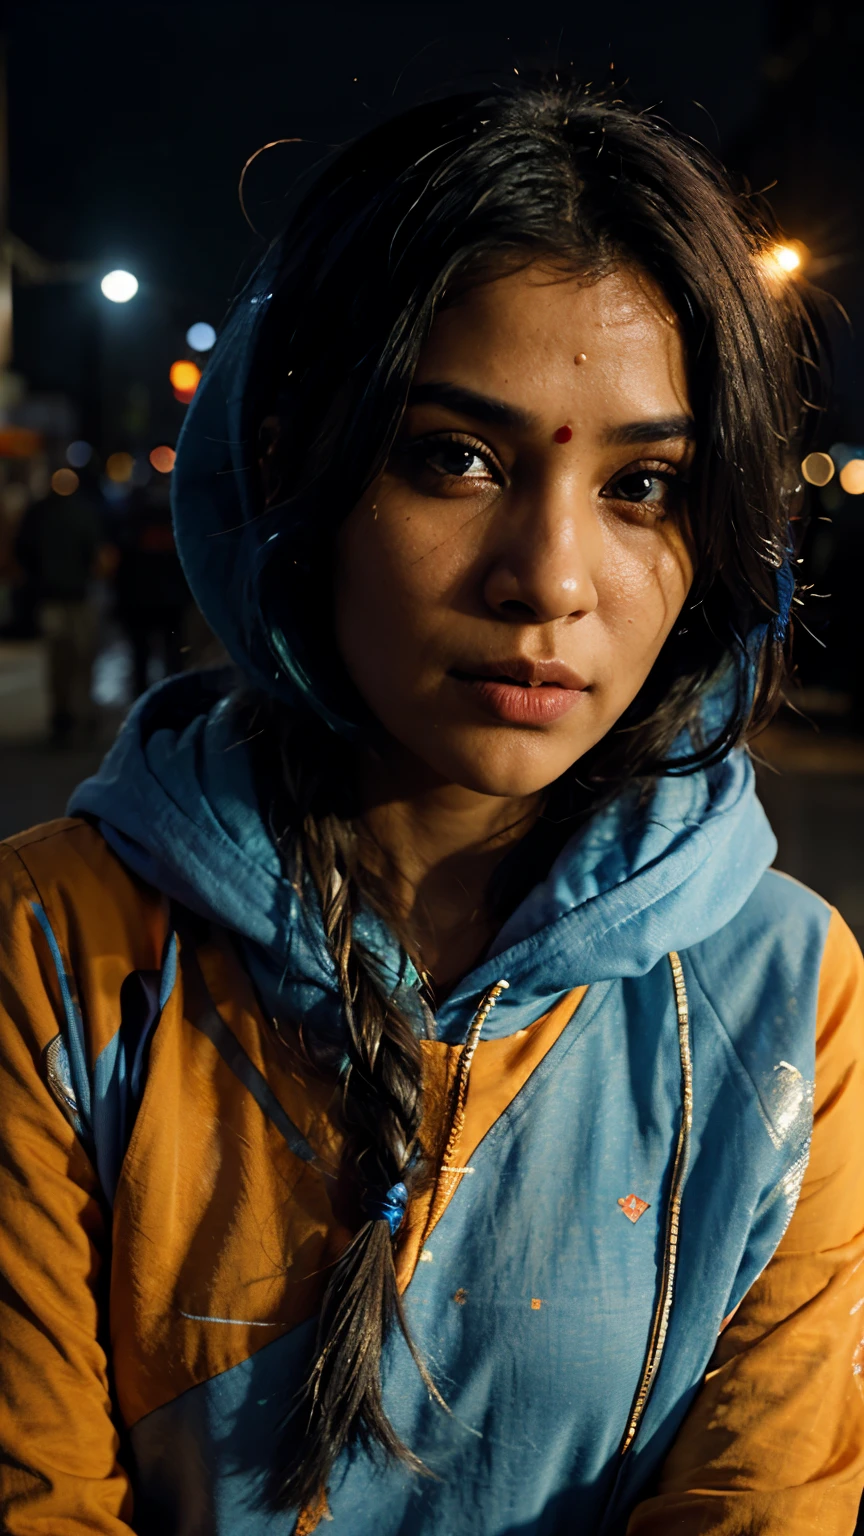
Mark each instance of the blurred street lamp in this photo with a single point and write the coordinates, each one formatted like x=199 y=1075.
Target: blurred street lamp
x=162 y=459
x=119 y=286
x=79 y=454
x=852 y=477
x=818 y=468
x=184 y=378
x=119 y=467
x=200 y=336
x=64 y=482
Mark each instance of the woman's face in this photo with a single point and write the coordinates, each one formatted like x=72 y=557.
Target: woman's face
x=504 y=588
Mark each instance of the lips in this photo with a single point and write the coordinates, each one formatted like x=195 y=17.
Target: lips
x=522 y=691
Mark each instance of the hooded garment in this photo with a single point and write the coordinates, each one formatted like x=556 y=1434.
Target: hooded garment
x=623 y=1159
x=660 y=1119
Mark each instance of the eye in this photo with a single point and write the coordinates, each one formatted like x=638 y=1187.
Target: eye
x=449 y=465
x=659 y=491
x=460 y=460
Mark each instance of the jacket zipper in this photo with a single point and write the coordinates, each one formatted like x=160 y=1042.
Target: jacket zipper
x=660 y=1323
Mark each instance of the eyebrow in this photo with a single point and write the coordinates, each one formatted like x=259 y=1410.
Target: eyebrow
x=466 y=402
x=659 y=431
x=499 y=413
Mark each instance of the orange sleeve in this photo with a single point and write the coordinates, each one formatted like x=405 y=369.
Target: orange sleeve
x=775 y=1440
x=59 y=1473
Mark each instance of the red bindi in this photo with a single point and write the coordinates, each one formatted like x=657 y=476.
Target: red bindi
x=563 y=435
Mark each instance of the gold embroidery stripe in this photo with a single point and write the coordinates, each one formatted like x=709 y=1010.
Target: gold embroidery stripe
x=660 y=1323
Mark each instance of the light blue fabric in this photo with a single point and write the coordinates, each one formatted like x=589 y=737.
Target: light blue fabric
x=175 y=799
x=534 y=1305
x=72 y=1043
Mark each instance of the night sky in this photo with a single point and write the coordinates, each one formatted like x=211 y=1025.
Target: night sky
x=130 y=123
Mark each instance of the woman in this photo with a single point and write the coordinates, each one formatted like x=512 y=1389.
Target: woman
x=409 y=1058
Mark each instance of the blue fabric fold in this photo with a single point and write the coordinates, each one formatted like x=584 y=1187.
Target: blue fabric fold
x=176 y=800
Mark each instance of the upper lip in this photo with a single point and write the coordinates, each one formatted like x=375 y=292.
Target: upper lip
x=522 y=669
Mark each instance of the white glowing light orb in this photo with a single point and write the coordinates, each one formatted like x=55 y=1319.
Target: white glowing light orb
x=200 y=336
x=119 y=286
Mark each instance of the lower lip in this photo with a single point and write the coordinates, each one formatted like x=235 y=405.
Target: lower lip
x=523 y=706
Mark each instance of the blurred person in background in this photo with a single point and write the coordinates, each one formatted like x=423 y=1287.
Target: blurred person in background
x=60 y=546
x=410 y=1062
x=151 y=595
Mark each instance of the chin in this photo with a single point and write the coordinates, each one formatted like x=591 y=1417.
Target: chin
x=507 y=764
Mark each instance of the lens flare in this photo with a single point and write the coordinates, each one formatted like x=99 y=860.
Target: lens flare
x=786 y=258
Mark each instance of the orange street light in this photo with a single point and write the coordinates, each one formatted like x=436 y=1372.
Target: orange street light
x=64 y=482
x=818 y=468
x=119 y=467
x=162 y=459
x=852 y=477
x=184 y=377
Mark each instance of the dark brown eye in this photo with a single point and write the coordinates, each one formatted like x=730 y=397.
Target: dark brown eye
x=642 y=486
x=457 y=459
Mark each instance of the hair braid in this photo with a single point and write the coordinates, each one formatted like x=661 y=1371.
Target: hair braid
x=382 y=1110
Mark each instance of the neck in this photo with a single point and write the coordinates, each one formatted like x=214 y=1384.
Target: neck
x=437 y=845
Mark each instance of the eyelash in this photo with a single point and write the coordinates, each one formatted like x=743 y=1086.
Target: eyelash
x=419 y=454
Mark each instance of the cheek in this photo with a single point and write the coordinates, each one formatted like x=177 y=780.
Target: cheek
x=397 y=566
x=390 y=579
x=642 y=586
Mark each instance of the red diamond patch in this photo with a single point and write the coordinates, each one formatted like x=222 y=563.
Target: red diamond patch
x=633 y=1207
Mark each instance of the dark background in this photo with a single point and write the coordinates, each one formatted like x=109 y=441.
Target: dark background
x=129 y=126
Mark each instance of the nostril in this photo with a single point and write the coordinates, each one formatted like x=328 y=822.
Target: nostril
x=516 y=607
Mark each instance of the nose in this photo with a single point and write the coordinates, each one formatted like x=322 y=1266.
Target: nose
x=545 y=562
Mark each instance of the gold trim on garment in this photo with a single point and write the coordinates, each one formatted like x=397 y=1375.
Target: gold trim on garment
x=663 y=1308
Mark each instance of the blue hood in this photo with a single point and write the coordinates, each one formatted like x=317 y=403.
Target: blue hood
x=176 y=801
x=175 y=796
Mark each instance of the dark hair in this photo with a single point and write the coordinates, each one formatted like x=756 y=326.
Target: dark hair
x=446 y=195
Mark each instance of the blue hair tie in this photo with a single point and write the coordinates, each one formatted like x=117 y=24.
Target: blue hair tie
x=389 y=1207
x=784 y=585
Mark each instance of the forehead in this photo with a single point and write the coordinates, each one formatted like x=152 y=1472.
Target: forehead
x=519 y=335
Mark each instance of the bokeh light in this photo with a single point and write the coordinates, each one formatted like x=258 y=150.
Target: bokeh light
x=79 y=454
x=818 y=468
x=119 y=286
x=787 y=257
x=184 y=377
x=119 y=467
x=200 y=336
x=65 y=482
x=162 y=458
x=852 y=477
